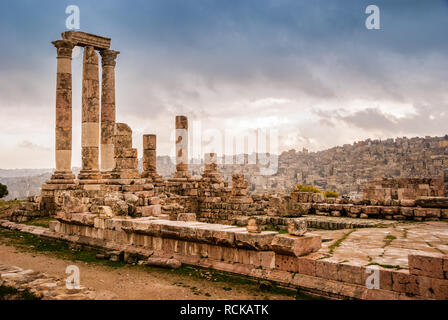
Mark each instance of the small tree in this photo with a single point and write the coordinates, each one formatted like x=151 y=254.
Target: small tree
x=331 y=194
x=3 y=190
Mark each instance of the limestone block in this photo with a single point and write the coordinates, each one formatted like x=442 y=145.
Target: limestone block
x=122 y=129
x=371 y=210
x=390 y=210
x=253 y=225
x=126 y=163
x=255 y=241
x=405 y=283
x=186 y=216
x=152 y=210
x=444 y=213
x=432 y=202
x=407 y=211
x=335 y=213
x=105 y=211
x=126 y=153
x=63 y=138
x=296 y=246
x=90 y=134
x=130 y=198
x=407 y=203
x=433 y=288
x=63 y=160
x=149 y=141
x=122 y=142
x=297 y=227
x=163 y=262
x=428 y=265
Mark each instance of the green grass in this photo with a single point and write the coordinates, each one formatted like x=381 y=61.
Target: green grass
x=31 y=243
x=434 y=247
x=405 y=233
x=230 y=278
x=280 y=231
x=338 y=242
x=386 y=266
x=5 y=203
x=40 y=222
x=9 y=293
x=388 y=240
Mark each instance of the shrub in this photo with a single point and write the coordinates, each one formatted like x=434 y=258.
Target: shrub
x=331 y=194
x=3 y=190
x=305 y=188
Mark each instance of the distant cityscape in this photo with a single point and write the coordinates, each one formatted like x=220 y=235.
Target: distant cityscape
x=344 y=169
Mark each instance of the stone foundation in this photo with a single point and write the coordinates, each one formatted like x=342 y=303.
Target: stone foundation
x=426 y=279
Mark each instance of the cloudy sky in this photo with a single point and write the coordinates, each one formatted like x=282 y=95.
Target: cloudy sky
x=309 y=69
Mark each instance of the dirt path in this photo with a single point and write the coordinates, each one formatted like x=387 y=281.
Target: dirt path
x=131 y=282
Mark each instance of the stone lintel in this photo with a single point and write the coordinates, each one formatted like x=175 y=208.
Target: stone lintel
x=84 y=39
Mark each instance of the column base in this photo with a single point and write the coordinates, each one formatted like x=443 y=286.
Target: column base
x=181 y=174
x=212 y=176
x=152 y=177
x=62 y=177
x=106 y=174
x=124 y=174
x=89 y=175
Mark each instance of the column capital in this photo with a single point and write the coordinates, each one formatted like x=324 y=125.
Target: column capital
x=108 y=57
x=64 y=48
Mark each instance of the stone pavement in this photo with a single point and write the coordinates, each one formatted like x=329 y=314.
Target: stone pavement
x=387 y=246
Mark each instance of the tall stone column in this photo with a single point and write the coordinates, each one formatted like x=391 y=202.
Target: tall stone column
x=63 y=134
x=181 y=147
x=108 y=108
x=90 y=115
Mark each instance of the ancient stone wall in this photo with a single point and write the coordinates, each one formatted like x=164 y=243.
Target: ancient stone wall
x=265 y=256
x=422 y=208
x=404 y=188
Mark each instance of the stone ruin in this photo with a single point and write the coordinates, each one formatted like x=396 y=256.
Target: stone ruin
x=111 y=190
x=114 y=185
x=200 y=221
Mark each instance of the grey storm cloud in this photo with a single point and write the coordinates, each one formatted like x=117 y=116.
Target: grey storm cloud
x=425 y=121
x=309 y=66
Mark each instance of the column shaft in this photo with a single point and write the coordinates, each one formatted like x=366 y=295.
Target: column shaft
x=181 y=146
x=63 y=134
x=107 y=108
x=90 y=115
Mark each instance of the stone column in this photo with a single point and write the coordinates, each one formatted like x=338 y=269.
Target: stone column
x=210 y=162
x=63 y=134
x=181 y=147
x=149 y=155
x=211 y=173
x=107 y=108
x=90 y=115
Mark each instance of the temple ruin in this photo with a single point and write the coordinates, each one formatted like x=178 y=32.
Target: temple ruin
x=205 y=221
